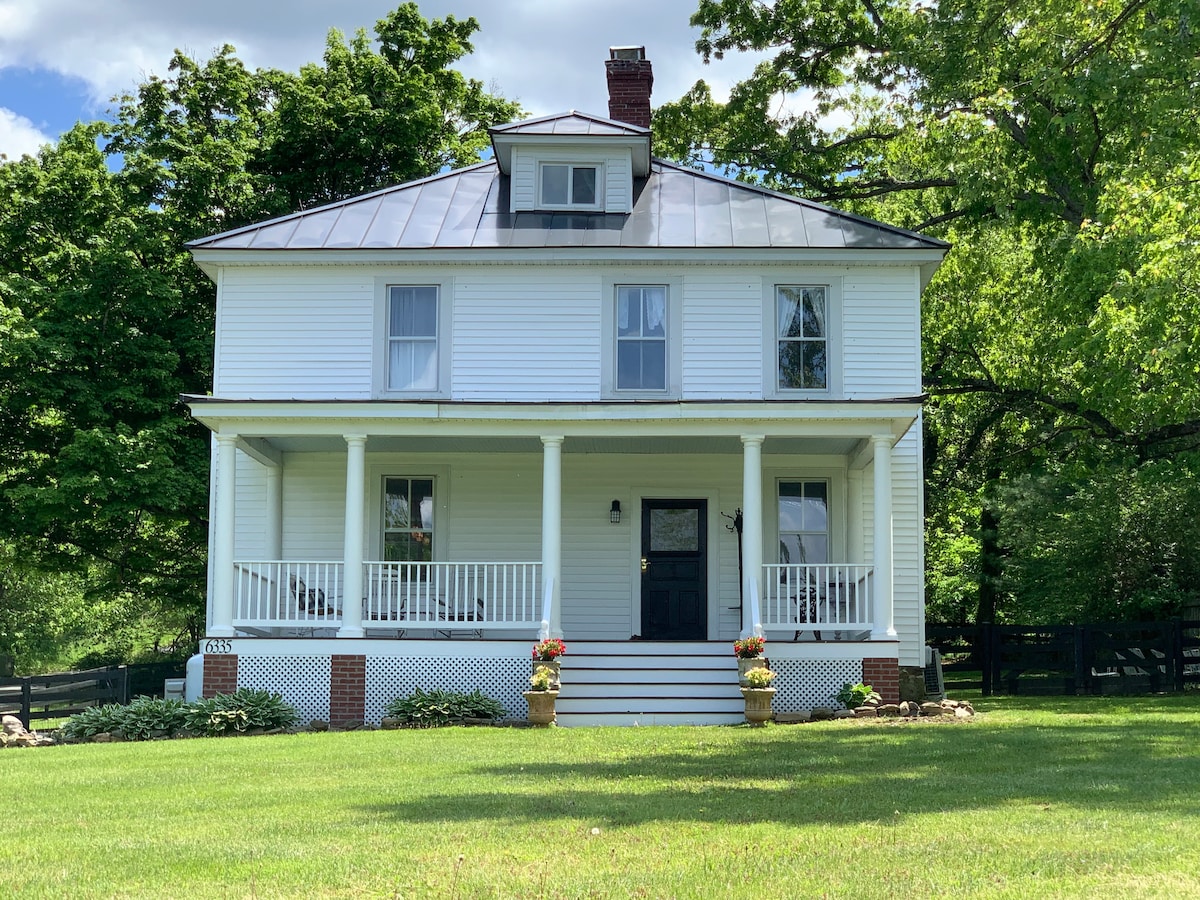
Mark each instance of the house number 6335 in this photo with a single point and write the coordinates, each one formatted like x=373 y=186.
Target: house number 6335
x=217 y=645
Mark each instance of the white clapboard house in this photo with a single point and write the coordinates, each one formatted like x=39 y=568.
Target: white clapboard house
x=576 y=391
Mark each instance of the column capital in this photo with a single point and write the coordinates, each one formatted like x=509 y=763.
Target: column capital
x=877 y=439
x=753 y=439
x=354 y=438
x=225 y=439
x=548 y=439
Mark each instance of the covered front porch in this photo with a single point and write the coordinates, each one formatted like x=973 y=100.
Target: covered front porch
x=584 y=522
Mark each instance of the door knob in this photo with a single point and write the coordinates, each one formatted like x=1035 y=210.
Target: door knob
x=645 y=565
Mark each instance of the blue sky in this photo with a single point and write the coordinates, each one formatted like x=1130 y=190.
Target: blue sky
x=62 y=60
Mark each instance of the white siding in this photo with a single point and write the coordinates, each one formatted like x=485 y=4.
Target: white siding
x=523 y=181
x=722 y=335
x=251 y=523
x=618 y=183
x=295 y=333
x=527 y=336
x=881 y=341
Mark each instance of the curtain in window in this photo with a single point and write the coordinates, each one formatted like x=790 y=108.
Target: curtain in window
x=789 y=302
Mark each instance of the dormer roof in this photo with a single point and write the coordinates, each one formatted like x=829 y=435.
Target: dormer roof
x=572 y=129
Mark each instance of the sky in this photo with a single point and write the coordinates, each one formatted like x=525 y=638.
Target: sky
x=63 y=60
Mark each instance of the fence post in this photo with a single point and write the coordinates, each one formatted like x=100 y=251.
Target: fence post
x=26 y=701
x=1082 y=647
x=1174 y=630
x=984 y=643
x=122 y=685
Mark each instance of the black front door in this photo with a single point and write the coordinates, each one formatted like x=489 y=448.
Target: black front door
x=674 y=570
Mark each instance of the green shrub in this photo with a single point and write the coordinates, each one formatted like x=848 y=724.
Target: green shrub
x=147 y=715
x=434 y=709
x=852 y=696
x=243 y=710
x=93 y=721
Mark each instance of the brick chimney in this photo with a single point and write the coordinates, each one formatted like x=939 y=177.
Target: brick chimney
x=630 y=81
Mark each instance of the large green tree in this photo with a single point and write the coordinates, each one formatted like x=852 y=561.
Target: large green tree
x=104 y=320
x=1054 y=143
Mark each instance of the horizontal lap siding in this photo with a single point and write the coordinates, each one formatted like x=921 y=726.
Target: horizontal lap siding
x=907 y=537
x=524 y=338
x=250 y=535
x=880 y=333
x=295 y=333
x=722 y=337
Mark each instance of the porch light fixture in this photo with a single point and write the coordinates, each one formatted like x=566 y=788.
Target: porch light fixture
x=614 y=514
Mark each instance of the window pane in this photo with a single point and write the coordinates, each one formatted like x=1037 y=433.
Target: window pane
x=629 y=365
x=814 y=312
x=654 y=365
x=412 y=366
x=790 y=312
x=789 y=550
x=815 y=506
x=674 y=529
x=583 y=186
x=395 y=503
x=629 y=311
x=814 y=364
x=422 y=501
x=654 y=308
x=408 y=547
x=814 y=548
x=554 y=185
x=791 y=514
x=791 y=365
x=413 y=311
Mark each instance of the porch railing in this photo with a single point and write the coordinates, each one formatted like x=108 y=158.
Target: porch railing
x=279 y=593
x=446 y=595
x=825 y=597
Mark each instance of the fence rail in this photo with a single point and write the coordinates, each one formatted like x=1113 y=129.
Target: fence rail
x=1102 y=658
x=62 y=694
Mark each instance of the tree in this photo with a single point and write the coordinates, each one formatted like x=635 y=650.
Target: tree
x=1053 y=144
x=105 y=320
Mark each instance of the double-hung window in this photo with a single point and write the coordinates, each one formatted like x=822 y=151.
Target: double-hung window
x=569 y=185
x=803 y=522
x=802 y=337
x=412 y=359
x=408 y=519
x=641 y=334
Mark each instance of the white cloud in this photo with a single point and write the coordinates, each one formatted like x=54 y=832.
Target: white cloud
x=19 y=136
x=547 y=53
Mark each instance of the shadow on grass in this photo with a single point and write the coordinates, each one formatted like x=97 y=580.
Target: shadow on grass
x=1137 y=765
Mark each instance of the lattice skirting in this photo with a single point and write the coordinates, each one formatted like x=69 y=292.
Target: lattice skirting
x=302 y=681
x=392 y=677
x=803 y=684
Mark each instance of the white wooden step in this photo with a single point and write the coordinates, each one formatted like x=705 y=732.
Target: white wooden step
x=573 y=689
x=648 y=676
x=585 y=720
x=649 y=704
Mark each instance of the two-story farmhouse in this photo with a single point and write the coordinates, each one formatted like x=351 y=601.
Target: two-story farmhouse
x=577 y=391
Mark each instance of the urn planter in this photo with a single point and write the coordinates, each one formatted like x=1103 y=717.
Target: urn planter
x=758 y=704
x=745 y=665
x=541 y=707
x=555 y=668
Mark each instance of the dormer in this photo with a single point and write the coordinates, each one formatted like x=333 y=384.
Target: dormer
x=576 y=162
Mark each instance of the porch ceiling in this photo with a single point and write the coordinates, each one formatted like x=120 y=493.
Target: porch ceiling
x=675 y=445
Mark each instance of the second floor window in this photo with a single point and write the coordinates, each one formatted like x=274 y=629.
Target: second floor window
x=642 y=338
x=802 y=337
x=564 y=185
x=413 y=337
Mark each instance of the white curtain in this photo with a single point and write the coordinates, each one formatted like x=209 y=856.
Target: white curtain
x=788 y=302
x=656 y=308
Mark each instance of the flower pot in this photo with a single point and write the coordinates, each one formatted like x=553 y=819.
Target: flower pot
x=758 y=704
x=554 y=666
x=745 y=665
x=541 y=707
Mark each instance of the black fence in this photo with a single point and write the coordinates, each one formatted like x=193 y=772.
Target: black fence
x=63 y=693
x=1106 y=658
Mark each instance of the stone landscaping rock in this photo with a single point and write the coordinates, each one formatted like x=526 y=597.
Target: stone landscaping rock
x=821 y=714
x=793 y=718
x=889 y=709
x=390 y=723
x=962 y=712
x=910 y=708
x=843 y=714
x=866 y=712
x=12 y=725
x=931 y=709
x=318 y=725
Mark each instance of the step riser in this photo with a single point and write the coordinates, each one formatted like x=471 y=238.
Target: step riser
x=650 y=691
x=585 y=720
x=649 y=705
x=647 y=676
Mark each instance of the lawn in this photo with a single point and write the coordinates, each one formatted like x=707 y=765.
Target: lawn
x=1055 y=797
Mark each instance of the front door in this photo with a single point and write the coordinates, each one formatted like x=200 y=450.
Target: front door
x=674 y=570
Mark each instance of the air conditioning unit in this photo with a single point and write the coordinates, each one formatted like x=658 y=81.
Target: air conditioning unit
x=173 y=689
x=935 y=683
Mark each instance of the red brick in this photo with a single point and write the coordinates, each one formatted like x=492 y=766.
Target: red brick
x=347 y=689
x=884 y=676
x=220 y=674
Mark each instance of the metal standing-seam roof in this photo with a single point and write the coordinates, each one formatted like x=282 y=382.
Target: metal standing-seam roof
x=675 y=207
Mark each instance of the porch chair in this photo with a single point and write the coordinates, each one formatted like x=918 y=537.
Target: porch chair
x=806 y=600
x=309 y=600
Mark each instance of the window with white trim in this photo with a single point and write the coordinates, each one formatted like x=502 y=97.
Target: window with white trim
x=641 y=336
x=802 y=337
x=803 y=522
x=563 y=184
x=412 y=360
x=408 y=518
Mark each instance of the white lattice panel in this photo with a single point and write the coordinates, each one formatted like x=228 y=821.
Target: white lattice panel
x=392 y=677
x=303 y=681
x=806 y=683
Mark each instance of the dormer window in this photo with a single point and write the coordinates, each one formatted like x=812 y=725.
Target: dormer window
x=565 y=185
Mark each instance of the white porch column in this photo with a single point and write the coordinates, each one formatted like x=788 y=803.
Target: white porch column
x=552 y=526
x=883 y=627
x=752 y=526
x=352 y=572
x=273 y=529
x=855 y=551
x=223 y=531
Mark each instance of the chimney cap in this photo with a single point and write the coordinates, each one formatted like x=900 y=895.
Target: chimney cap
x=630 y=51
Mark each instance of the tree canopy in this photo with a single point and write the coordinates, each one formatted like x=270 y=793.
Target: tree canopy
x=105 y=321
x=1054 y=144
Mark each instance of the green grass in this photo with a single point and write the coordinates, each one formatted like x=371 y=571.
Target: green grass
x=1057 y=797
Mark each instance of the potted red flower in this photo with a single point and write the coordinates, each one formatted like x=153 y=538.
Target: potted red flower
x=546 y=654
x=749 y=653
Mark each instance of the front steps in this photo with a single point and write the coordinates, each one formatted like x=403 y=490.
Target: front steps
x=649 y=683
